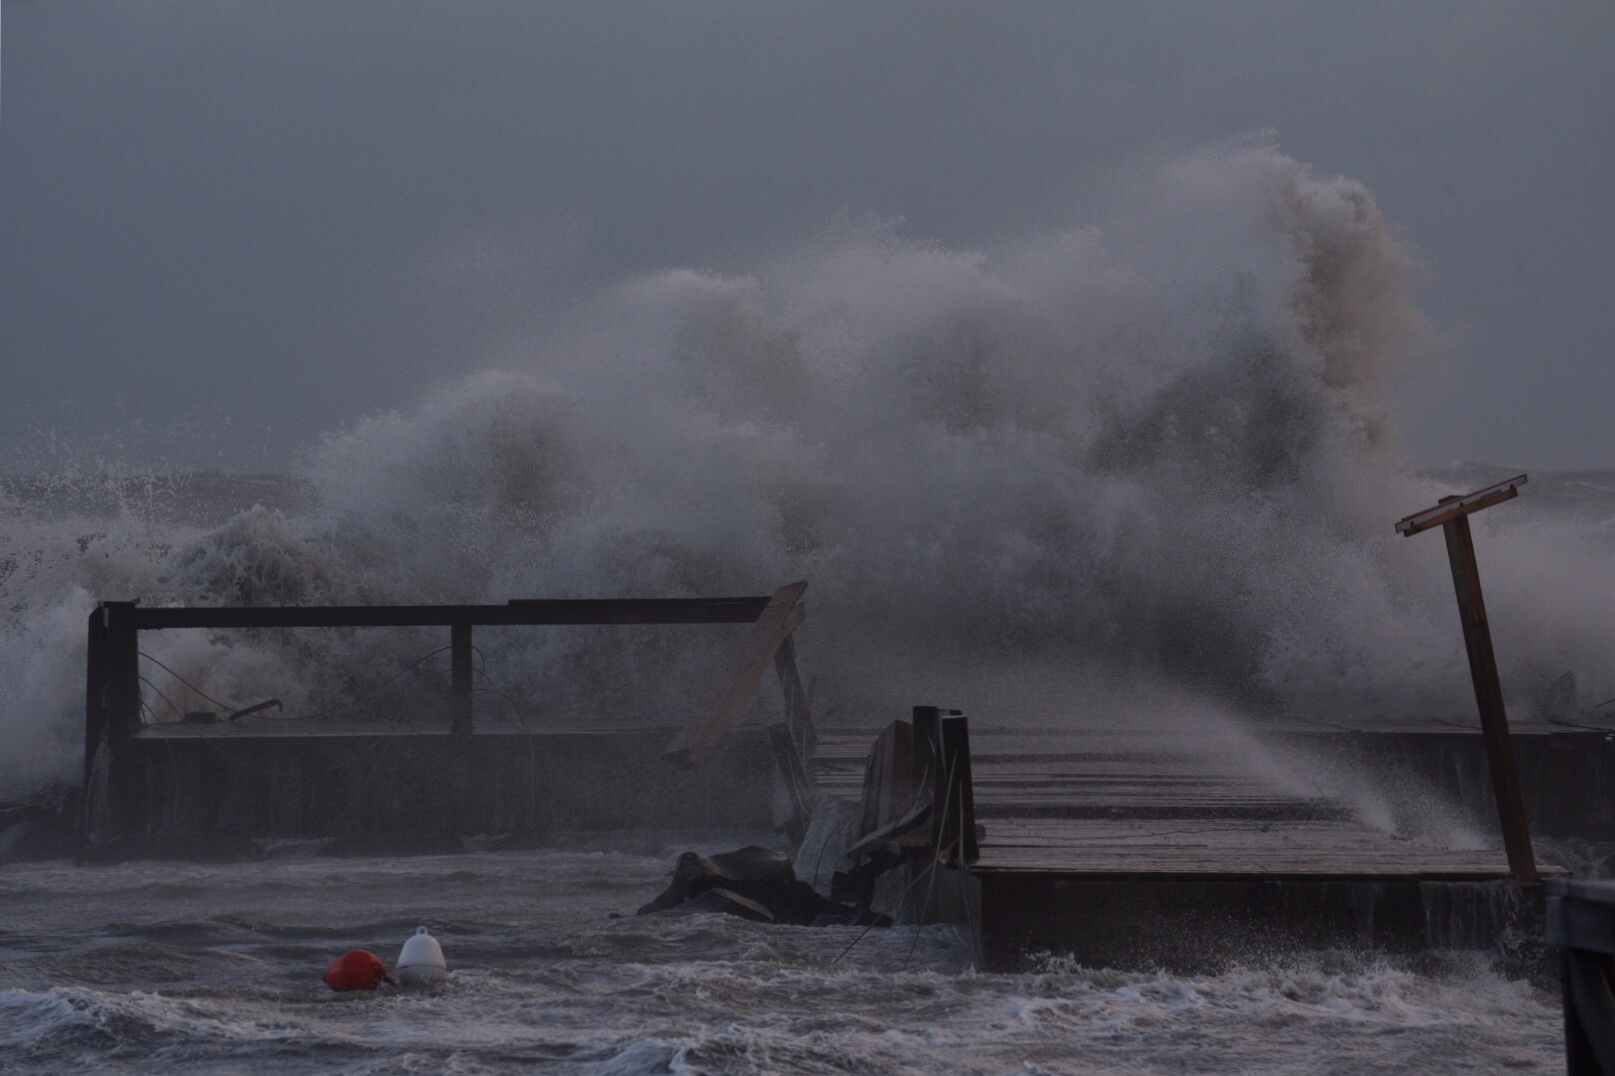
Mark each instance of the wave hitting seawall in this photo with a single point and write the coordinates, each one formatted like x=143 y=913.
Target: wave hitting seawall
x=1157 y=450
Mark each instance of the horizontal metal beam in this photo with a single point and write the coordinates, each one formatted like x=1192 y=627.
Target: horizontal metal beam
x=542 y=611
x=1453 y=507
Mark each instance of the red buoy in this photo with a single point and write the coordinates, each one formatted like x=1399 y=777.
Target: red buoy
x=356 y=969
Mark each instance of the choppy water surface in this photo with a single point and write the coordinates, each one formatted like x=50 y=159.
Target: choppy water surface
x=1144 y=466
x=186 y=968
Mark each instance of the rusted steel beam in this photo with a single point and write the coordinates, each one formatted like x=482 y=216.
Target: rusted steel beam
x=1452 y=514
x=723 y=705
x=542 y=611
x=1451 y=508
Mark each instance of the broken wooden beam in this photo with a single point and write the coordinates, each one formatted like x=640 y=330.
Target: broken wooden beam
x=722 y=707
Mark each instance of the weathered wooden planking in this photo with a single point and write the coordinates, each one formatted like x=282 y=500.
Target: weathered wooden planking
x=1186 y=849
x=1041 y=773
x=1091 y=803
x=1334 y=848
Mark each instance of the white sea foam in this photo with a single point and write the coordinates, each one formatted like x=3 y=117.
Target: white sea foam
x=1158 y=449
x=114 y=969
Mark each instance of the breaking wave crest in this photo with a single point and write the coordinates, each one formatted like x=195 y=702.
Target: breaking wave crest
x=1157 y=449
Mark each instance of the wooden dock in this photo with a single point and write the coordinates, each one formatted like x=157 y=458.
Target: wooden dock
x=1137 y=848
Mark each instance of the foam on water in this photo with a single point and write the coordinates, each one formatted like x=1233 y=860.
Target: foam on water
x=217 y=968
x=1155 y=450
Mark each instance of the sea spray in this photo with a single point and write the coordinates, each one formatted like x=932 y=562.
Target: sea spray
x=1155 y=450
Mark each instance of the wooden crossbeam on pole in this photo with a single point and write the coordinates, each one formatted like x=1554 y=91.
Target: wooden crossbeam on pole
x=1452 y=514
x=1451 y=508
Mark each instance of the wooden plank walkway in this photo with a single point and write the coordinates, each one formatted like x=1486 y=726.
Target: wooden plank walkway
x=1107 y=802
x=1186 y=850
x=1334 y=849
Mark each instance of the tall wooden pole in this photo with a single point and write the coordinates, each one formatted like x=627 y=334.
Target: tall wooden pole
x=1452 y=515
x=1489 y=699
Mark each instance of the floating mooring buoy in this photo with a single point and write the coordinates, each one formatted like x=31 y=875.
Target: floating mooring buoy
x=356 y=969
x=420 y=962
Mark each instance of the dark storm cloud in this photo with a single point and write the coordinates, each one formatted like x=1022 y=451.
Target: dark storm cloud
x=287 y=214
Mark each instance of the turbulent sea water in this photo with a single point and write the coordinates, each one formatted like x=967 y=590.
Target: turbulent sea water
x=188 y=968
x=1145 y=467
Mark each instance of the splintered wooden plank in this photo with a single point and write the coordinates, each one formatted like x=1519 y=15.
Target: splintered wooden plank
x=723 y=706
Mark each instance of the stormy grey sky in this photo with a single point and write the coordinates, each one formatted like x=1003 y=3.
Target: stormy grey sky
x=240 y=223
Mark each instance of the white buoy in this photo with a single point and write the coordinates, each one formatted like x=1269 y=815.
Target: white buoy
x=420 y=962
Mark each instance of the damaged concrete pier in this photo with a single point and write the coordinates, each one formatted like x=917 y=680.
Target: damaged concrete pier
x=417 y=790
x=452 y=773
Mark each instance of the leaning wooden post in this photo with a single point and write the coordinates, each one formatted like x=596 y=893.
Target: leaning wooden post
x=1452 y=515
x=460 y=679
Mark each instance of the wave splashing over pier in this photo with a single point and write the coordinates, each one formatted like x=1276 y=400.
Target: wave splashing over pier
x=1160 y=448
